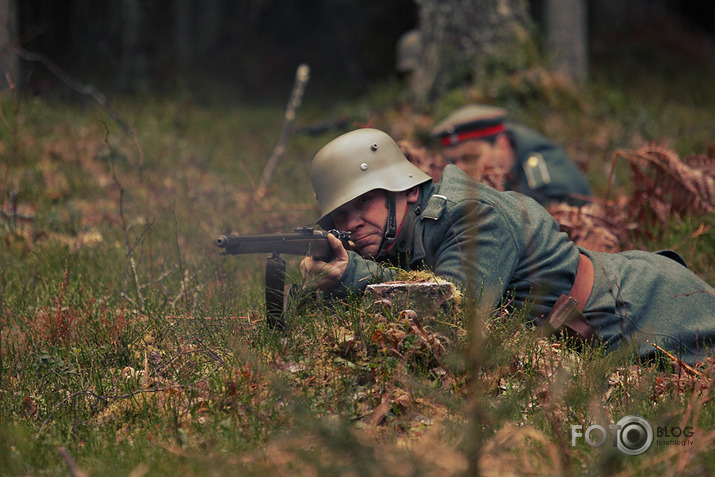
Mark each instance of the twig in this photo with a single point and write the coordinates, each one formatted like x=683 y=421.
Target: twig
x=115 y=397
x=611 y=174
x=51 y=412
x=302 y=75
x=131 y=263
x=679 y=361
x=157 y=280
x=74 y=468
x=87 y=90
x=76 y=86
x=378 y=415
x=214 y=357
x=182 y=273
x=12 y=126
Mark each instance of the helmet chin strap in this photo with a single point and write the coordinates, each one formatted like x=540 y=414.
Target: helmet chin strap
x=390 y=225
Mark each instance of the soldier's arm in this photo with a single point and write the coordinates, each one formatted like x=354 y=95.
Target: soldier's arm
x=346 y=273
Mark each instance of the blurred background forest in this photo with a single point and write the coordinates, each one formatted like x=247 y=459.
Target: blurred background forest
x=253 y=46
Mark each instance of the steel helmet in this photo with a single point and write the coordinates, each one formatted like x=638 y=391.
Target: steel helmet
x=358 y=162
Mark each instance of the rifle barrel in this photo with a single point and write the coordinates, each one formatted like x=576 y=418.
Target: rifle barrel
x=303 y=243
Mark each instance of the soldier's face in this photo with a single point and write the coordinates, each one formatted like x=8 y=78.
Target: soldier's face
x=476 y=157
x=365 y=217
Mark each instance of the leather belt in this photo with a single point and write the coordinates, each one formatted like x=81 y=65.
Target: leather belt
x=567 y=312
x=583 y=283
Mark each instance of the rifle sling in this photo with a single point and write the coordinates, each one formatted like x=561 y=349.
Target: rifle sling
x=390 y=225
x=275 y=294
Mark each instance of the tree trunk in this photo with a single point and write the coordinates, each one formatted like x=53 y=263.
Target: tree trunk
x=133 y=72
x=566 y=30
x=209 y=26
x=183 y=33
x=9 y=64
x=348 y=30
x=469 y=40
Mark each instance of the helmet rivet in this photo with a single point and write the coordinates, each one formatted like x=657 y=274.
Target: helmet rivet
x=363 y=166
x=374 y=147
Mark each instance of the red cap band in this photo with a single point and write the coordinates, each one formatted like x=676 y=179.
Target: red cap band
x=454 y=139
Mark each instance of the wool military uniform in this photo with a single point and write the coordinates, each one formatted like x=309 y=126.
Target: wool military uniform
x=506 y=246
x=541 y=169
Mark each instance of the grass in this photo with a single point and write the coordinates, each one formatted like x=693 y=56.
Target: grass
x=129 y=346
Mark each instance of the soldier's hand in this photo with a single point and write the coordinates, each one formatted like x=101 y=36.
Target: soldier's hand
x=325 y=275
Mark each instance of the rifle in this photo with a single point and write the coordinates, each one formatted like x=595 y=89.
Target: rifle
x=303 y=241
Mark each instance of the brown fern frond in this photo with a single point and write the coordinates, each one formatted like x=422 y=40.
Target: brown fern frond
x=703 y=162
x=664 y=185
x=597 y=226
x=682 y=186
x=648 y=203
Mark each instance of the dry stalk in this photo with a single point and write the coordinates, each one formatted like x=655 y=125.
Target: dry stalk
x=75 y=470
x=302 y=75
x=131 y=262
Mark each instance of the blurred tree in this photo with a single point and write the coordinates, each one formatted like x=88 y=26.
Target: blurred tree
x=567 y=37
x=183 y=46
x=196 y=30
x=255 y=45
x=347 y=26
x=470 y=40
x=133 y=72
x=9 y=65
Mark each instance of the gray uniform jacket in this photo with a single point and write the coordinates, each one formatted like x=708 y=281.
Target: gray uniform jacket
x=543 y=170
x=505 y=246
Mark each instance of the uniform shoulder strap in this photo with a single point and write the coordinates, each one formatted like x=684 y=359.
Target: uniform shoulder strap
x=435 y=206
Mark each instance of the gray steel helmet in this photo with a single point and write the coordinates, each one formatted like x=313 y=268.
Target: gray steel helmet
x=358 y=162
